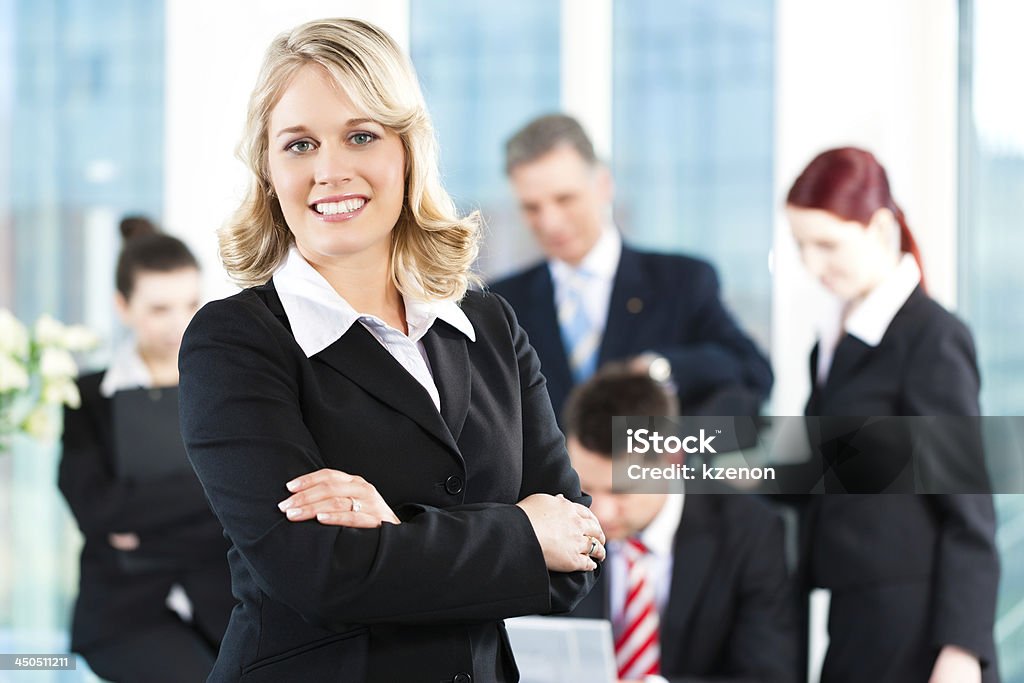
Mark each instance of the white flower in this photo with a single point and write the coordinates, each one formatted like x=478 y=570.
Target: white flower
x=13 y=375
x=57 y=363
x=61 y=391
x=79 y=338
x=13 y=335
x=49 y=332
x=42 y=423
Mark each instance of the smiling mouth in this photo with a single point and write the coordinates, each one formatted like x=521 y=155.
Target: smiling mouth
x=343 y=207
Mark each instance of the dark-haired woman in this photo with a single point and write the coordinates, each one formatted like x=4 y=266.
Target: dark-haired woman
x=155 y=592
x=913 y=578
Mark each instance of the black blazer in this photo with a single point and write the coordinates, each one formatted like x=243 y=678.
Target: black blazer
x=933 y=557
x=664 y=303
x=419 y=601
x=179 y=538
x=730 y=615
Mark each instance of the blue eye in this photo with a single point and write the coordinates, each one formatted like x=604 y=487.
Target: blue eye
x=362 y=138
x=300 y=147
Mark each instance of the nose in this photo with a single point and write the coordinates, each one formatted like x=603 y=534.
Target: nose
x=547 y=219
x=333 y=166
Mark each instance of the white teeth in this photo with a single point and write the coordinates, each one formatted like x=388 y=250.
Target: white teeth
x=346 y=206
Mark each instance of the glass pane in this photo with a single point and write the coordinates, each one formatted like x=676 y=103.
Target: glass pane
x=486 y=69
x=991 y=277
x=693 y=138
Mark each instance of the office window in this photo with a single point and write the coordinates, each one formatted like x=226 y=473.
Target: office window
x=991 y=278
x=486 y=68
x=693 y=138
x=81 y=113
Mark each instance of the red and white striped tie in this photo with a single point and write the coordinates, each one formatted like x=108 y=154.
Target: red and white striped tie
x=637 y=648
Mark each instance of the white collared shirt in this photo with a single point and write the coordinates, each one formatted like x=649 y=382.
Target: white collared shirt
x=659 y=537
x=319 y=316
x=871 y=318
x=127 y=371
x=600 y=264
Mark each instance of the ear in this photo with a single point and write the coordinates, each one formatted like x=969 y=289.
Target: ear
x=884 y=227
x=605 y=183
x=121 y=305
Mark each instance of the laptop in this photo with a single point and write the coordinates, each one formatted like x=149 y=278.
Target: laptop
x=147 y=434
x=559 y=649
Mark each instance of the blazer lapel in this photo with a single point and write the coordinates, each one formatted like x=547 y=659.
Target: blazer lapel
x=849 y=354
x=449 y=361
x=629 y=296
x=694 y=550
x=361 y=358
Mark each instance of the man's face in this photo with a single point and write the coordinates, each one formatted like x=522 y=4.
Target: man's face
x=621 y=514
x=565 y=201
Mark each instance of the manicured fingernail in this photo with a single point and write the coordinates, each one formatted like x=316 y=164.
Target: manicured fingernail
x=323 y=516
x=284 y=504
x=292 y=485
x=293 y=512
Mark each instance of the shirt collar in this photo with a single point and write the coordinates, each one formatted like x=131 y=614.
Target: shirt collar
x=601 y=261
x=660 y=534
x=126 y=371
x=319 y=316
x=872 y=317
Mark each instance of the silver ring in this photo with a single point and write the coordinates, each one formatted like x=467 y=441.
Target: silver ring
x=593 y=547
x=356 y=505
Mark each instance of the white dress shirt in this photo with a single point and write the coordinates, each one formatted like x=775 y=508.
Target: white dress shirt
x=872 y=316
x=319 y=316
x=127 y=371
x=600 y=265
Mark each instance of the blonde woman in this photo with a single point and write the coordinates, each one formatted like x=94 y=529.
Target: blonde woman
x=376 y=439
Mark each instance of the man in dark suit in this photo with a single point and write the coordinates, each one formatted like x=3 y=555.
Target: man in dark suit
x=596 y=299
x=713 y=564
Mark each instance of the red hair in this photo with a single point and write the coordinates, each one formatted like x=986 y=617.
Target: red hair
x=850 y=183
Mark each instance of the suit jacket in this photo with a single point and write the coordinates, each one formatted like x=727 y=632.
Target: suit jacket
x=179 y=538
x=663 y=303
x=418 y=601
x=909 y=573
x=730 y=614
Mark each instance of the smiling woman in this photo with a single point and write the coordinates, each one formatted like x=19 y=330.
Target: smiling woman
x=327 y=408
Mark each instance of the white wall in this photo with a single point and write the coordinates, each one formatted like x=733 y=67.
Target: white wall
x=214 y=51
x=880 y=74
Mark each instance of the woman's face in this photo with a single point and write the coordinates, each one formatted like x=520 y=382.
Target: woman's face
x=847 y=257
x=160 y=307
x=339 y=177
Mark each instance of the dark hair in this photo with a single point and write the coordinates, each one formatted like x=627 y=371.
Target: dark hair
x=850 y=183
x=544 y=134
x=613 y=390
x=146 y=249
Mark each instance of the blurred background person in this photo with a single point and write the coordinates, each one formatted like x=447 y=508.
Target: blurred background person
x=695 y=585
x=913 y=578
x=595 y=299
x=154 y=590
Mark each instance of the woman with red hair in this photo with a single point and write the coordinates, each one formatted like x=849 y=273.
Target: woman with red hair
x=913 y=577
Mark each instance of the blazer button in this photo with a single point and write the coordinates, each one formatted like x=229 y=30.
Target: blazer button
x=462 y=678
x=453 y=485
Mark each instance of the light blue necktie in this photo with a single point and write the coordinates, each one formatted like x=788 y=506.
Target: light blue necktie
x=579 y=334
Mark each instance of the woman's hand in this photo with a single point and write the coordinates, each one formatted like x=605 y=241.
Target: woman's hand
x=955 y=665
x=569 y=534
x=336 y=498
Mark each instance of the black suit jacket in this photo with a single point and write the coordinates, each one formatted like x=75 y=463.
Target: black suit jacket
x=932 y=557
x=730 y=615
x=664 y=303
x=179 y=538
x=419 y=601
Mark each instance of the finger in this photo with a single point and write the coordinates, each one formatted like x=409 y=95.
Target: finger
x=325 y=491
x=355 y=520
x=594 y=549
x=319 y=476
x=331 y=504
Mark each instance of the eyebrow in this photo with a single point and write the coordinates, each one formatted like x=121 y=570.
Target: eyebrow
x=303 y=129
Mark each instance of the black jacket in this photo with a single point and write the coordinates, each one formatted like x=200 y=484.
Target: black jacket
x=420 y=601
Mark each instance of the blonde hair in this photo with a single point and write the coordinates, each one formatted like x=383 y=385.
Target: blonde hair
x=430 y=244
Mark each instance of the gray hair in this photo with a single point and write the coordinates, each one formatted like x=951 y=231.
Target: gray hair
x=543 y=135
